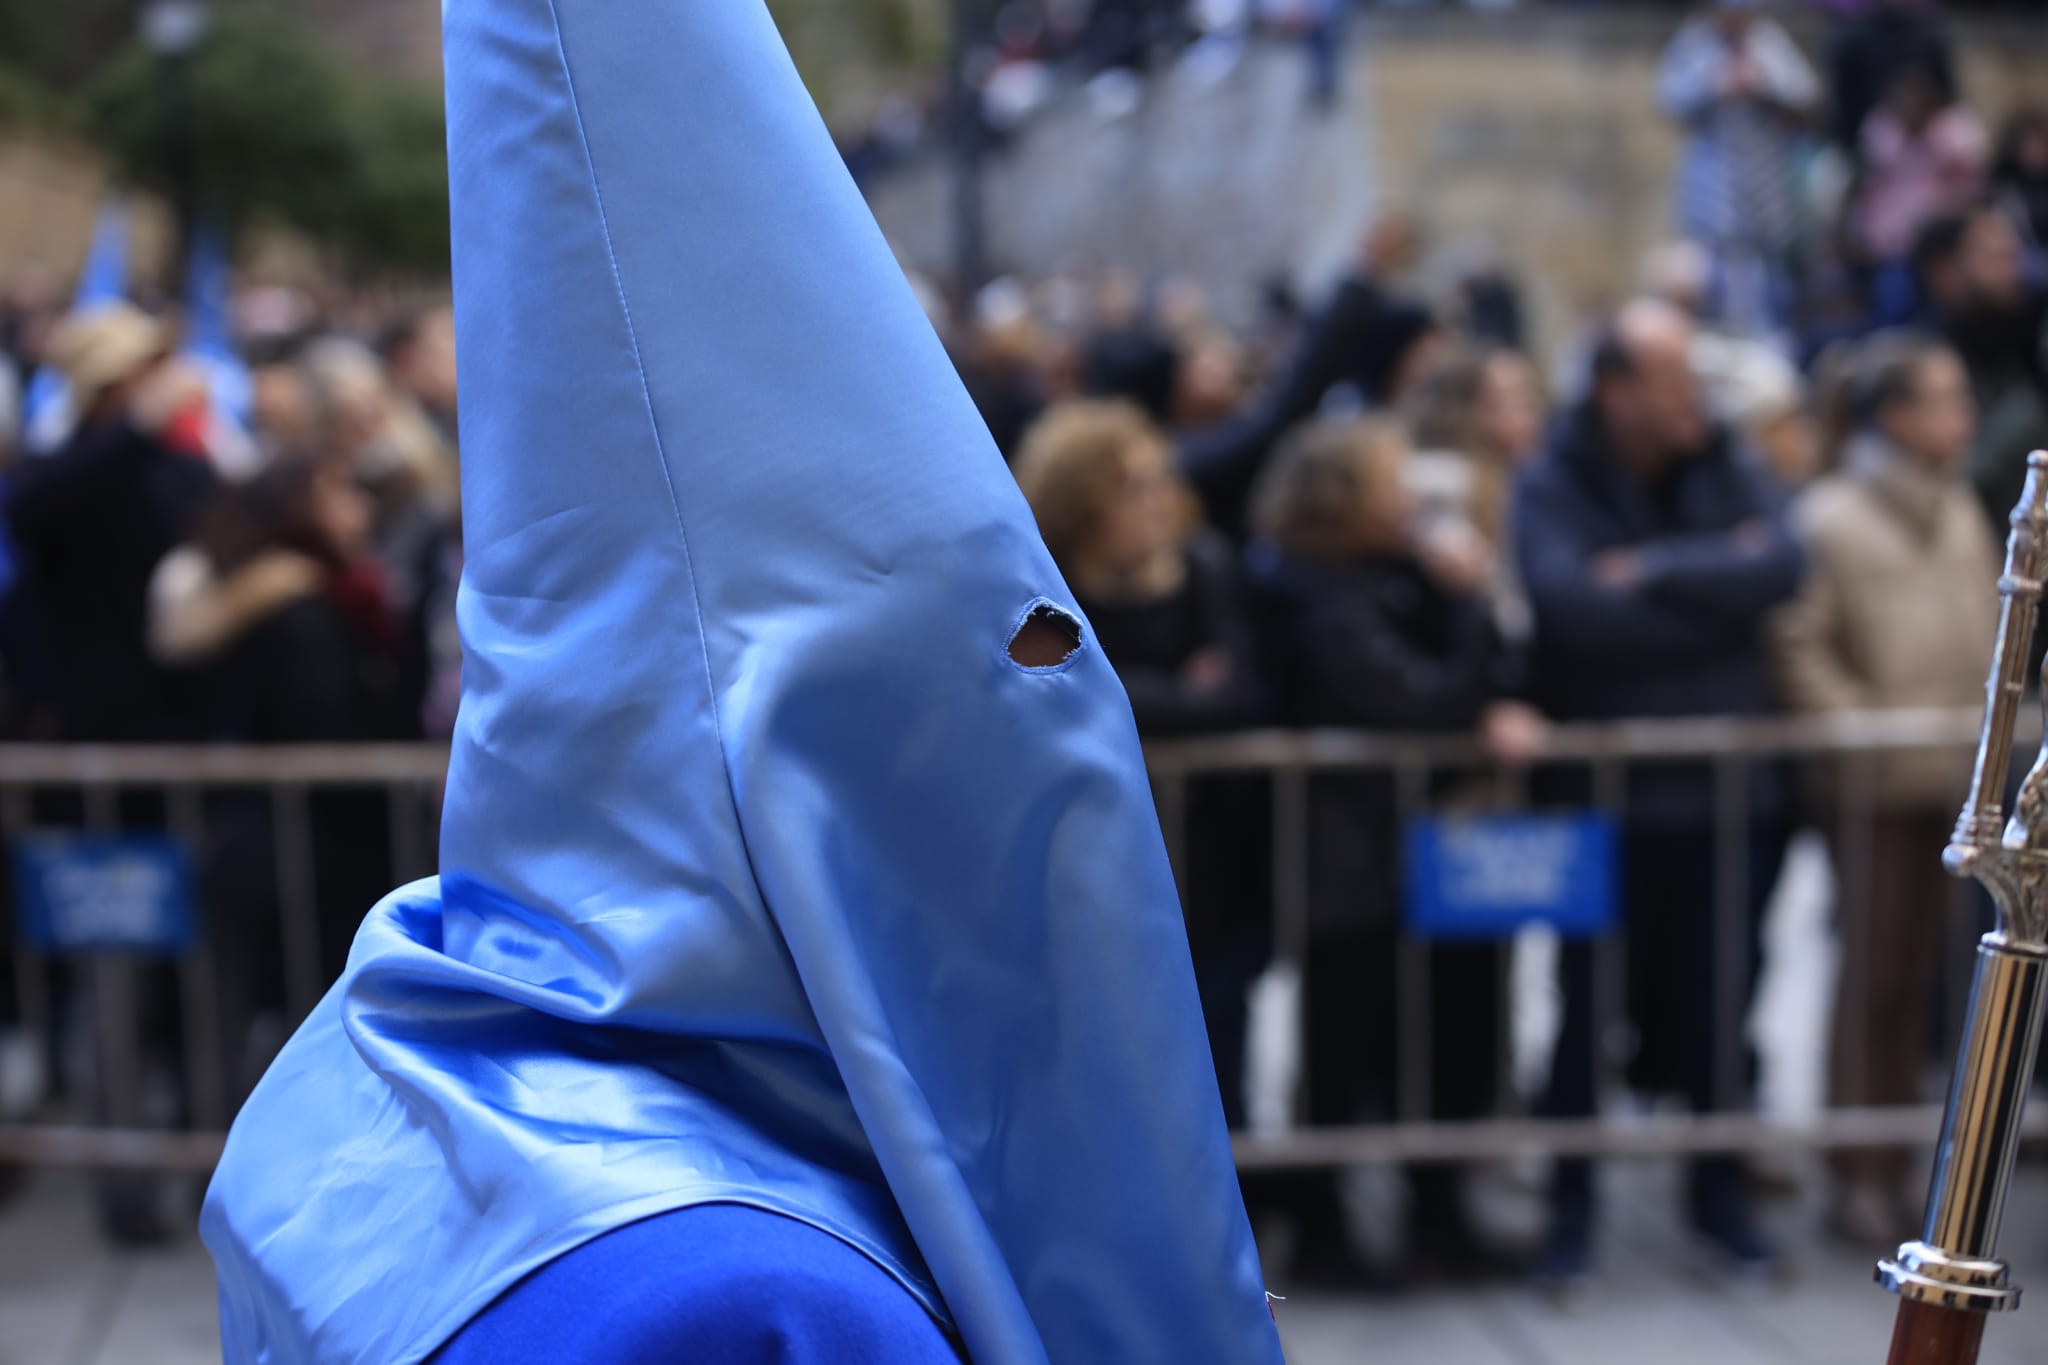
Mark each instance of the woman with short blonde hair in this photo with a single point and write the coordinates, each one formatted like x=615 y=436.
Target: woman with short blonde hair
x=1163 y=598
x=1336 y=490
x=1079 y=460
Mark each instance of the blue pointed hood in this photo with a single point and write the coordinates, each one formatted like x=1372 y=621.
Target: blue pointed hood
x=768 y=876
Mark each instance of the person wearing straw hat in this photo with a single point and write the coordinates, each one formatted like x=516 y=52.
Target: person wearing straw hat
x=90 y=522
x=805 y=978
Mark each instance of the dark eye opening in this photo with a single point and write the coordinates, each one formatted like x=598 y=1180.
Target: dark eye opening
x=1047 y=638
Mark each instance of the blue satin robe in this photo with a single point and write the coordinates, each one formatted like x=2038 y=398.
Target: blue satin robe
x=768 y=877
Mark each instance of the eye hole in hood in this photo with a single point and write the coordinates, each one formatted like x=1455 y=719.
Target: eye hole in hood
x=1046 y=638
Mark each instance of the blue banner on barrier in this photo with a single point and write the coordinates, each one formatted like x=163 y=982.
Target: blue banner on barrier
x=95 y=893
x=1486 y=876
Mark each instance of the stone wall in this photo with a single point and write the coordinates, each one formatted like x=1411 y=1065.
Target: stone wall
x=1541 y=158
x=49 y=194
x=1542 y=144
x=1226 y=185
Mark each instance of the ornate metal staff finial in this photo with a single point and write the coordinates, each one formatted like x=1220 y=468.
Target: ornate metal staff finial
x=1980 y=826
x=1951 y=1276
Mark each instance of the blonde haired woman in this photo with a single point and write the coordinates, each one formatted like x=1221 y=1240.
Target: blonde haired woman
x=1161 y=593
x=1163 y=596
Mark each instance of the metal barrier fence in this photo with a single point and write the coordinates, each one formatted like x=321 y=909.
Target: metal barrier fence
x=179 y=790
x=183 y=781
x=1605 y=755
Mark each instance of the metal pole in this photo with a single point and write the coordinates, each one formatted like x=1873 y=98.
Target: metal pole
x=1414 y=965
x=970 y=147
x=173 y=30
x=1171 y=795
x=114 y=982
x=1290 y=914
x=1514 y=784
x=175 y=109
x=1731 y=912
x=404 y=810
x=31 y=971
x=1644 y=1136
x=292 y=831
x=1636 y=1136
x=1609 y=950
x=1854 y=831
x=206 y=1066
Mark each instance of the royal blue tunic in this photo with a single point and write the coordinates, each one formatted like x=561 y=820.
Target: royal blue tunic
x=719 y=1283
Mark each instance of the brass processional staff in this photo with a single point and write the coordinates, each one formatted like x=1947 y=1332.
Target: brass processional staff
x=1951 y=1278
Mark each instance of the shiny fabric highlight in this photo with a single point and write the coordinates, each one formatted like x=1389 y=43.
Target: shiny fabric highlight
x=769 y=878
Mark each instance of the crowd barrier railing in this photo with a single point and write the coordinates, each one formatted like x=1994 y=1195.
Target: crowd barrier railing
x=103 y=1122
x=1604 y=755
x=87 y=1006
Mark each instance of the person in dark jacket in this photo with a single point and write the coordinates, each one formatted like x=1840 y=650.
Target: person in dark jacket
x=397 y=455
x=1000 y=353
x=1368 y=342
x=1164 y=601
x=280 y=617
x=1653 y=552
x=89 y=523
x=1160 y=592
x=313 y=666
x=1972 y=277
x=1376 y=626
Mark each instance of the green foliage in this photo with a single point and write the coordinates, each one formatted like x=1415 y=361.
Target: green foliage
x=400 y=214
x=281 y=130
x=266 y=115
x=28 y=104
x=58 y=44
x=850 y=50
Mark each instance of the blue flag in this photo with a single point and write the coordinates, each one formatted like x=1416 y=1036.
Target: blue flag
x=104 y=276
x=769 y=874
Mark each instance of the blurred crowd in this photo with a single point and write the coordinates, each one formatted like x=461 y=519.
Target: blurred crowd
x=176 y=576
x=1019 y=55
x=172 y=571
x=1775 y=480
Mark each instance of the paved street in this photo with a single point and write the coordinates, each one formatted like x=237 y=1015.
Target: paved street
x=66 y=1300
x=1653 y=1304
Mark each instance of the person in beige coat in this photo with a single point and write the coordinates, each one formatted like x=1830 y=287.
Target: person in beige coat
x=1897 y=611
